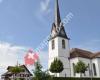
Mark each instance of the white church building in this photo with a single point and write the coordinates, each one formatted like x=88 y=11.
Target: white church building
x=59 y=47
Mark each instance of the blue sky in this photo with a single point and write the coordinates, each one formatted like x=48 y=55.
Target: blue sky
x=25 y=23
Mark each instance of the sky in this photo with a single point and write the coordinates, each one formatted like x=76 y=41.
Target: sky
x=25 y=24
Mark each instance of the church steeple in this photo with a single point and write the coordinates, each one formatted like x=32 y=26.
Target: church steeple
x=57 y=14
x=57 y=27
x=59 y=43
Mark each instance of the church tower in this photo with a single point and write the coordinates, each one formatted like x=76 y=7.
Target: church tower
x=59 y=44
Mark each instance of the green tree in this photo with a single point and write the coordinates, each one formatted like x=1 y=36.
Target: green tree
x=56 y=66
x=38 y=71
x=39 y=74
x=80 y=67
x=16 y=70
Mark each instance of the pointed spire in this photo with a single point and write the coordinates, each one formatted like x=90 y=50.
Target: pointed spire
x=57 y=27
x=57 y=14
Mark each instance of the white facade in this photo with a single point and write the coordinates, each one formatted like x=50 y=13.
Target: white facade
x=96 y=61
x=60 y=53
x=89 y=62
x=77 y=59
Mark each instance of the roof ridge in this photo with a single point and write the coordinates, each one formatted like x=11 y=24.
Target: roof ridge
x=76 y=49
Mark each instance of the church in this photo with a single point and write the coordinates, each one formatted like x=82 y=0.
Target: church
x=59 y=47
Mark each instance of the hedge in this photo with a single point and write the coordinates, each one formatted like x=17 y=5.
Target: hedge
x=60 y=78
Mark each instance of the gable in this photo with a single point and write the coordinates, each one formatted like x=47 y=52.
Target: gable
x=22 y=66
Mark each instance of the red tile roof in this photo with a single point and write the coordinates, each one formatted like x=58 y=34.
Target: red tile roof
x=75 y=52
x=96 y=55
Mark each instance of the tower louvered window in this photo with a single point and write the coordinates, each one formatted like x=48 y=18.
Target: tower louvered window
x=63 y=44
x=53 y=44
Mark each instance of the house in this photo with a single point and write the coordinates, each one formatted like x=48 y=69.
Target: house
x=59 y=47
x=25 y=75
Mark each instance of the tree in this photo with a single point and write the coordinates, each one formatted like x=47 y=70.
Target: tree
x=16 y=70
x=80 y=67
x=56 y=66
x=39 y=74
x=38 y=71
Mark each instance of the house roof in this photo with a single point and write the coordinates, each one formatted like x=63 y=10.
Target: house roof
x=26 y=69
x=10 y=74
x=7 y=74
x=75 y=52
x=96 y=55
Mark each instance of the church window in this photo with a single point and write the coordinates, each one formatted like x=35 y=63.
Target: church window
x=65 y=74
x=63 y=44
x=89 y=70
x=53 y=44
x=94 y=68
x=73 y=69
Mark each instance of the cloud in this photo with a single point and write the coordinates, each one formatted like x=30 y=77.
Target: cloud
x=44 y=6
x=92 y=45
x=8 y=55
x=44 y=59
x=43 y=11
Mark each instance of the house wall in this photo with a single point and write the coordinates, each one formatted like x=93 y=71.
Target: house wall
x=90 y=71
x=73 y=60
x=98 y=67
x=77 y=59
x=96 y=61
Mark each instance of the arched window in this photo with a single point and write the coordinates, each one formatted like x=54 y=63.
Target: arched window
x=94 y=69
x=65 y=74
x=73 y=69
x=63 y=44
x=53 y=44
x=89 y=69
